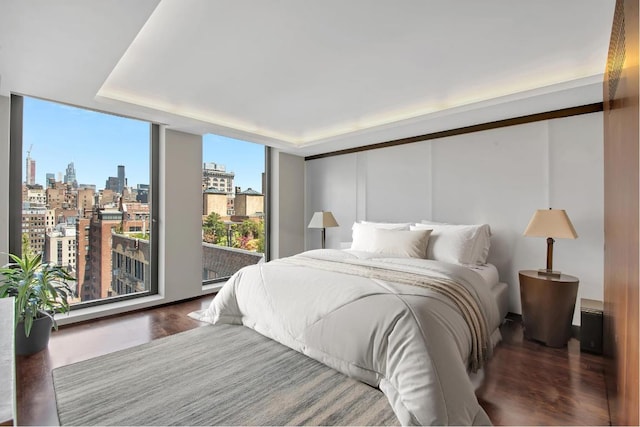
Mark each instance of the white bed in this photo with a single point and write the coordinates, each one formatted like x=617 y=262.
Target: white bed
x=386 y=321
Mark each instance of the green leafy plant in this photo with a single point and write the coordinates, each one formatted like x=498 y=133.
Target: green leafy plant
x=40 y=289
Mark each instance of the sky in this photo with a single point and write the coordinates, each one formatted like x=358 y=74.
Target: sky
x=97 y=143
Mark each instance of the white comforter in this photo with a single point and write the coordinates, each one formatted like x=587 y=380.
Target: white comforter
x=411 y=342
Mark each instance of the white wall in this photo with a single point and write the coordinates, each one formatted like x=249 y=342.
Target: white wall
x=5 y=109
x=180 y=249
x=499 y=177
x=287 y=204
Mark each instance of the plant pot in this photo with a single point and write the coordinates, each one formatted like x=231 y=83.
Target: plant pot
x=37 y=340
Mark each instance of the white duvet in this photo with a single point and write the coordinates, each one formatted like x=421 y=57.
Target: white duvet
x=411 y=342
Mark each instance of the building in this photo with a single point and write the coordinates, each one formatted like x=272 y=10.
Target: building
x=60 y=247
x=86 y=198
x=142 y=193
x=56 y=197
x=30 y=168
x=107 y=198
x=50 y=179
x=66 y=216
x=215 y=176
x=131 y=272
x=35 y=195
x=249 y=203
x=122 y=181
x=50 y=220
x=215 y=201
x=70 y=176
x=112 y=184
x=135 y=217
x=94 y=274
x=34 y=227
x=83 y=266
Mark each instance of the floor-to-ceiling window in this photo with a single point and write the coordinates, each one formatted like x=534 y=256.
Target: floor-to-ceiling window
x=87 y=200
x=233 y=206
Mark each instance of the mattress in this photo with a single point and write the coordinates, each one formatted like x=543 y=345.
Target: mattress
x=489 y=273
x=500 y=292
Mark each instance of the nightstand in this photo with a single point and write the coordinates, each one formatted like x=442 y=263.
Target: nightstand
x=547 y=306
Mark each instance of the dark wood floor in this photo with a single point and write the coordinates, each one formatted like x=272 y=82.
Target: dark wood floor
x=526 y=383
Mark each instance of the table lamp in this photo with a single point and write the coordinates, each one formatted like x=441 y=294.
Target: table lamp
x=550 y=223
x=323 y=219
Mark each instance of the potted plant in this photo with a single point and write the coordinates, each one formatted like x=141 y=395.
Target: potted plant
x=40 y=290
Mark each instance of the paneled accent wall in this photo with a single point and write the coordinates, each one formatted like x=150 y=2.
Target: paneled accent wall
x=621 y=175
x=499 y=176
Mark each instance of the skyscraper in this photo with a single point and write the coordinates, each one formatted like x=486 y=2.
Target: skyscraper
x=70 y=175
x=122 y=181
x=31 y=171
x=30 y=168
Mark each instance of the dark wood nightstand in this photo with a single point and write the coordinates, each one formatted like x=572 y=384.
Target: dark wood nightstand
x=547 y=306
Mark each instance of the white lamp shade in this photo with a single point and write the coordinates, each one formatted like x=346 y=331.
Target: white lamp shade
x=323 y=219
x=551 y=223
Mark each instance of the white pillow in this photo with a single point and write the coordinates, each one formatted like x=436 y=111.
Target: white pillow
x=482 y=242
x=362 y=237
x=388 y=225
x=459 y=244
x=403 y=243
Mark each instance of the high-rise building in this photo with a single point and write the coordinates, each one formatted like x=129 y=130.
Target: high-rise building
x=33 y=227
x=122 y=181
x=70 y=176
x=112 y=184
x=30 y=168
x=50 y=180
x=110 y=259
x=94 y=247
x=60 y=247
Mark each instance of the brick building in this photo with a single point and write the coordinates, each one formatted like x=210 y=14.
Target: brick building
x=94 y=281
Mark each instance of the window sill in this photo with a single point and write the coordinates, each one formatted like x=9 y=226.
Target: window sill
x=121 y=307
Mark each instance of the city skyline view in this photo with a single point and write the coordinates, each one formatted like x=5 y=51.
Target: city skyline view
x=97 y=143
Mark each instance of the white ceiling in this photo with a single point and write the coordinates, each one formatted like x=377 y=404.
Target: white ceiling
x=308 y=76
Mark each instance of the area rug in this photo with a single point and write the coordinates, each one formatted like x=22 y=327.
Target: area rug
x=213 y=375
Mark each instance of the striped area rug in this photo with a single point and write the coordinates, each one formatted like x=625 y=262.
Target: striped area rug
x=213 y=375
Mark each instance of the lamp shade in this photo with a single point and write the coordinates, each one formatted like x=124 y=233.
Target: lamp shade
x=323 y=219
x=551 y=223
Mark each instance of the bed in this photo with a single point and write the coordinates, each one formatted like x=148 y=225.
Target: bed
x=415 y=328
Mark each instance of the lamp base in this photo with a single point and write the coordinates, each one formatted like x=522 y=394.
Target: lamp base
x=549 y=273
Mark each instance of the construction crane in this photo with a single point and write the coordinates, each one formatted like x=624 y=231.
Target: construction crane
x=29 y=151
